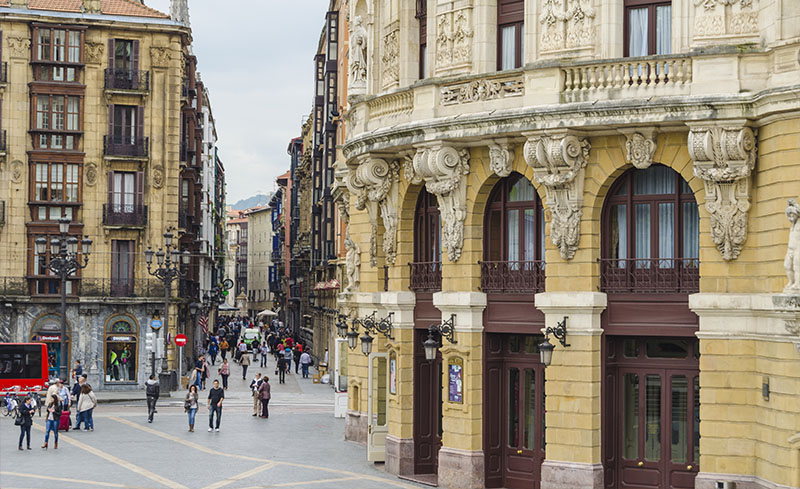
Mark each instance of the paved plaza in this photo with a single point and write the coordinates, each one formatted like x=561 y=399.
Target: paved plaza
x=300 y=445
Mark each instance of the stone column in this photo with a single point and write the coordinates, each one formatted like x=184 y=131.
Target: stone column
x=400 y=440
x=461 y=456
x=573 y=385
x=355 y=426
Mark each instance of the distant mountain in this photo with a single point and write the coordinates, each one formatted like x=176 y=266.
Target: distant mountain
x=258 y=199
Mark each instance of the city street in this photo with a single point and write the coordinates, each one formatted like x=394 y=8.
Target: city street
x=300 y=445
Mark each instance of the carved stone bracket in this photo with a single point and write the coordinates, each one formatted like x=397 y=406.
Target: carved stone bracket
x=501 y=157
x=640 y=146
x=19 y=47
x=374 y=183
x=444 y=170
x=160 y=56
x=340 y=193
x=94 y=52
x=559 y=161
x=724 y=156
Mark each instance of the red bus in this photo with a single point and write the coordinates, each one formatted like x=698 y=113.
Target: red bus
x=23 y=367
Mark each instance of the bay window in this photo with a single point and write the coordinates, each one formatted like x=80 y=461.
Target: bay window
x=55 y=190
x=56 y=121
x=57 y=53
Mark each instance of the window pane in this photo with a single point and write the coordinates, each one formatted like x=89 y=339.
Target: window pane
x=642 y=223
x=44 y=44
x=423 y=52
x=664 y=29
x=656 y=180
x=513 y=407
x=696 y=419
x=630 y=429
x=58 y=112
x=529 y=437
x=508 y=47
x=679 y=407
x=631 y=348
x=522 y=191
x=637 y=32
x=529 y=245
x=74 y=47
x=42 y=112
x=666 y=234
x=652 y=435
x=59 y=42
x=513 y=234
x=667 y=349
x=691 y=230
x=619 y=232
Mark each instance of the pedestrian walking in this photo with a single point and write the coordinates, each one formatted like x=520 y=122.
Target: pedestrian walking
x=76 y=398
x=52 y=420
x=245 y=362
x=190 y=405
x=281 y=370
x=264 y=395
x=86 y=404
x=264 y=353
x=25 y=421
x=254 y=385
x=212 y=352
x=215 y=396
x=197 y=374
x=223 y=348
x=152 y=392
x=63 y=393
x=205 y=373
x=224 y=371
x=78 y=370
x=288 y=356
x=305 y=361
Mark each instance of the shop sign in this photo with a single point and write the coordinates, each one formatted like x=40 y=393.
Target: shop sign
x=121 y=338
x=155 y=324
x=49 y=337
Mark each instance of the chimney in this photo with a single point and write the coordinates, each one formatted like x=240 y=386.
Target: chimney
x=179 y=11
x=18 y=3
x=91 y=6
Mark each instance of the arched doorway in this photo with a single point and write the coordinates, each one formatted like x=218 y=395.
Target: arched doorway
x=121 y=349
x=511 y=273
x=47 y=329
x=649 y=265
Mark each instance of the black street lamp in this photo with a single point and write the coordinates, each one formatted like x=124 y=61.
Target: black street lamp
x=546 y=348
x=445 y=330
x=169 y=261
x=63 y=262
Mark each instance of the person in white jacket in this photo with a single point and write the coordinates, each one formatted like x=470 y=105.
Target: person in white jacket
x=86 y=404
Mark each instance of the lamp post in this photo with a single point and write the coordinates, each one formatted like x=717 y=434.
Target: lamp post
x=63 y=262
x=169 y=260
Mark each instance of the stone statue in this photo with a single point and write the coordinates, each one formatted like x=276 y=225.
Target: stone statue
x=792 y=261
x=352 y=263
x=358 y=53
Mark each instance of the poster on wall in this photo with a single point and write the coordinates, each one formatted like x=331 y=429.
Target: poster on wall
x=455 y=374
x=393 y=374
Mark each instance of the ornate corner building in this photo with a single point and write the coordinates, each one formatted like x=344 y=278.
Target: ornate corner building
x=92 y=107
x=617 y=167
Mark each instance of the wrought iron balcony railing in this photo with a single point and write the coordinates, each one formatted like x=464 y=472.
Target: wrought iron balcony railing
x=512 y=276
x=426 y=276
x=125 y=146
x=4 y=72
x=648 y=276
x=127 y=80
x=124 y=214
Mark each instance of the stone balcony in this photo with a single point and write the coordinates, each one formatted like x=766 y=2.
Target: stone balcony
x=721 y=83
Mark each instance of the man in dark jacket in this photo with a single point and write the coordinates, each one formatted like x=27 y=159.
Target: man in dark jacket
x=152 y=392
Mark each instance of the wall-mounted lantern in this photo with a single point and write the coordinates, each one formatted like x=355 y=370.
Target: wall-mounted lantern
x=546 y=348
x=444 y=330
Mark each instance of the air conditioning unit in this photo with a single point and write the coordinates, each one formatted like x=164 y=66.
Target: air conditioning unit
x=725 y=485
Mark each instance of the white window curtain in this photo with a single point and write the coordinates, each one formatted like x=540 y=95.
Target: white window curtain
x=513 y=235
x=664 y=29
x=530 y=235
x=123 y=192
x=508 y=51
x=642 y=225
x=666 y=234
x=637 y=28
x=656 y=180
x=691 y=230
x=619 y=225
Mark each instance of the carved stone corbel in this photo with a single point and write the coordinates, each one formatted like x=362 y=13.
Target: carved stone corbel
x=559 y=162
x=640 y=146
x=444 y=170
x=374 y=183
x=501 y=157
x=724 y=157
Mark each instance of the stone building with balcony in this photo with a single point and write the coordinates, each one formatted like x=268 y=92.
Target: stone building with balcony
x=90 y=101
x=612 y=171
x=259 y=259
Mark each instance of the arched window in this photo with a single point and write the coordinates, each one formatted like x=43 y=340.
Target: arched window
x=120 y=349
x=651 y=241
x=426 y=270
x=513 y=238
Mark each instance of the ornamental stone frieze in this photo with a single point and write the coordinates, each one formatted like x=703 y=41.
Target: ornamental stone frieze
x=724 y=157
x=374 y=184
x=559 y=161
x=501 y=157
x=454 y=34
x=566 y=25
x=391 y=56
x=640 y=146
x=482 y=90
x=714 y=19
x=444 y=170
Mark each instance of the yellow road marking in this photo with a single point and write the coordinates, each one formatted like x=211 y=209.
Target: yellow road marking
x=201 y=448
x=63 y=479
x=122 y=463
x=239 y=477
x=320 y=481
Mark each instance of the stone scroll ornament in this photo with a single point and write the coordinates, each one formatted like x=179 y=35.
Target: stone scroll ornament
x=559 y=163
x=724 y=158
x=374 y=183
x=444 y=170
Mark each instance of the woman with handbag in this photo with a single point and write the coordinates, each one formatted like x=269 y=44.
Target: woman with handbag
x=190 y=405
x=53 y=418
x=86 y=404
x=25 y=420
x=224 y=372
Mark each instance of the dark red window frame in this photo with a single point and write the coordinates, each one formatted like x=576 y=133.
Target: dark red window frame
x=651 y=23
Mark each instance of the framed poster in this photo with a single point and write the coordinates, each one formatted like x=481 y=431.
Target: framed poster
x=393 y=374
x=455 y=371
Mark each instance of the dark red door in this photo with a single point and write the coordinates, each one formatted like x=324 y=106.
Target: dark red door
x=427 y=408
x=524 y=426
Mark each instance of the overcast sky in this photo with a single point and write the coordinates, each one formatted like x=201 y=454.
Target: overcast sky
x=256 y=58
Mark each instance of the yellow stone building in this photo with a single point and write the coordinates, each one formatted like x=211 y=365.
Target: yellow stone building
x=614 y=176
x=91 y=114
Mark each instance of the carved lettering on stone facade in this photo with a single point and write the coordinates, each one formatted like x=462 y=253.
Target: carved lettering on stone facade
x=160 y=56
x=19 y=47
x=501 y=156
x=358 y=57
x=481 y=90
x=391 y=56
x=94 y=52
x=724 y=157
x=444 y=170
x=566 y=24
x=454 y=35
x=559 y=163
x=640 y=148
x=792 y=261
x=723 y=18
x=374 y=183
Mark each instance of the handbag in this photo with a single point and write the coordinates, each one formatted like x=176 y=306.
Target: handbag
x=18 y=421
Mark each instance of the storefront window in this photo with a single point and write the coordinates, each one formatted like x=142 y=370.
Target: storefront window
x=47 y=330
x=120 y=350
